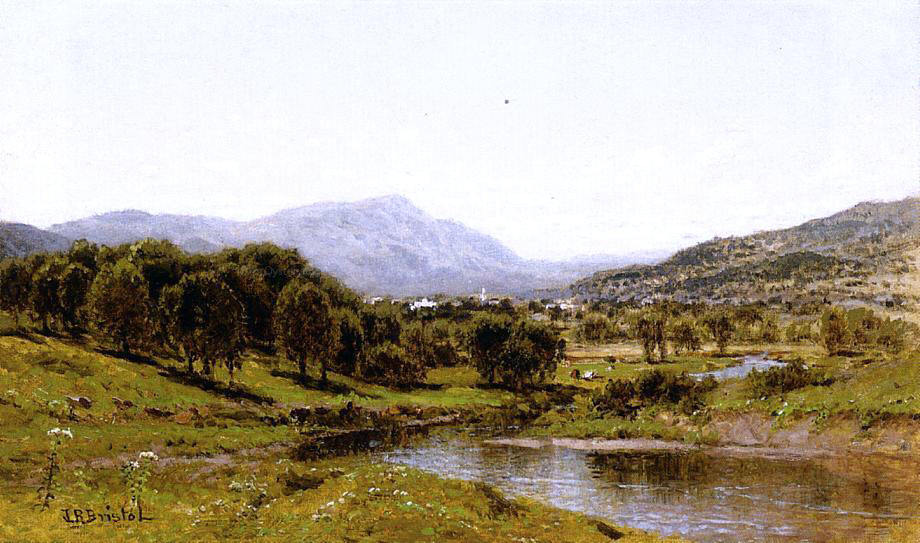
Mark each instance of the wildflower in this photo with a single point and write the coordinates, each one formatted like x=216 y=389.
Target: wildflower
x=59 y=433
x=148 y=455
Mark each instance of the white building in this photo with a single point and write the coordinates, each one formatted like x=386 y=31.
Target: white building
x=423 y=303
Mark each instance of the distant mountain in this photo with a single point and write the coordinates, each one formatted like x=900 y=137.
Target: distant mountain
x=17 y=240
x=867 y=254
x=381 y=245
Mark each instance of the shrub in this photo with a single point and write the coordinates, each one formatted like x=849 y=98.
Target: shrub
x=616 y=398
x=389 y=364
x=624 y=398
x=783 y=379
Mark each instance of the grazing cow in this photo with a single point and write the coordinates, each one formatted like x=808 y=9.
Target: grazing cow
x=576 y=374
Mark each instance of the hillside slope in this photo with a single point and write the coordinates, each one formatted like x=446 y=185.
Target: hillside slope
x=869 y=254
x=18 y=240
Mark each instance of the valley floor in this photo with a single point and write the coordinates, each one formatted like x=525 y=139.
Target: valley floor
x=232 y=465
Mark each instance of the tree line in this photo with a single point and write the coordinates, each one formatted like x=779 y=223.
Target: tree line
x=208 y=309
x=685 y=327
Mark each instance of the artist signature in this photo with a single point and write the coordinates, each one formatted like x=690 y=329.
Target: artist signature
x=82 y=516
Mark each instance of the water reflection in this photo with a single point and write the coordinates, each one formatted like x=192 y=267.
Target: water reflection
x=699 y=495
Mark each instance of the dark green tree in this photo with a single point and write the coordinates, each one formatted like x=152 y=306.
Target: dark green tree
x=15 y=285
x=305 y=326
x=351 y=342
x=720 y=325
x=835 y=334
x=486 y=338
x=530 y=354
x=119 y=304
x=73 y=288
x=206 y=320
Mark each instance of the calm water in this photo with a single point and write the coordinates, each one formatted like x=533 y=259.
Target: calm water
x=703 y=496
x=749 y=363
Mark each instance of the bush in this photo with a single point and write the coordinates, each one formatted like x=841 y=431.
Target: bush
x=616 y=398
x=389 y=364
x=783 y=379
x=624 y=398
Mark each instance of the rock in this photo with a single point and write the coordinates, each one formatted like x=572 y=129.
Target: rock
x=122 y=404
x=300 y=414
x=79 y=401
x=608 y=530
x=157 y=412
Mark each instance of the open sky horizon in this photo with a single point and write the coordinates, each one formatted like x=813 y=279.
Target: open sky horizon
x=559 y=129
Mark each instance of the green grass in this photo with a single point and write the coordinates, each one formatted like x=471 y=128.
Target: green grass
x=275 y=499
x=37 y=373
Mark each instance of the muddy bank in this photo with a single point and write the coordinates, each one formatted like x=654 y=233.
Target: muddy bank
x=839 y=433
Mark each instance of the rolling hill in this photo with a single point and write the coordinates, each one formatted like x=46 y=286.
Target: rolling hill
x=17 y=240
x=868 y=254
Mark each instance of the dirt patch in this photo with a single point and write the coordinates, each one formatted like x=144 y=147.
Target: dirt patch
x=838 y=433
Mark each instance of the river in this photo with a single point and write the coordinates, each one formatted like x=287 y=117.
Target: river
x=705 y=495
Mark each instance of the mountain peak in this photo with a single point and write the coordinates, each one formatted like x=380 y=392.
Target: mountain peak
x=391 y=201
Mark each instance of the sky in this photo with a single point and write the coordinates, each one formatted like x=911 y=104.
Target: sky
x=558 y=128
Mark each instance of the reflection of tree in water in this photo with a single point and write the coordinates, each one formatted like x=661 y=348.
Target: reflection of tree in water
x=668 y=477
x=700 y=495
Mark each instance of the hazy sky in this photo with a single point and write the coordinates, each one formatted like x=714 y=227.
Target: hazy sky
x=628 y=126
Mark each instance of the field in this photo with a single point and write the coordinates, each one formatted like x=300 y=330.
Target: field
x=226 y=471
x=223 y=472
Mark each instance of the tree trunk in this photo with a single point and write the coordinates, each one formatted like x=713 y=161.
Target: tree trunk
x=302 y=365
x=191 y=364
x=323 y=377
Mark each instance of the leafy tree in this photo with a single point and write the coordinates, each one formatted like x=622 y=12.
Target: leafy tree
x=417 y=342
x=278 y=266
x=44 y=299
x=651 y=329
x=389 y=364
x=249 y=286
x=119 y=303
x=685 y=336
x=160 y=262
x=720 y=326
x=593 y=328
x=73 y=288
x=442 y=343
x=530 y=354
x=351 y=342
x=769 y=328
x=892 y=335
x=206 y=319
x=835 y=333
x=485 y=340
x=305 y=326
x=381 y=324
x=15 y=285
x=84 y=253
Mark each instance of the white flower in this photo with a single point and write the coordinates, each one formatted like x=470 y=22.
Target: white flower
x=59 y=433
x=148 y=455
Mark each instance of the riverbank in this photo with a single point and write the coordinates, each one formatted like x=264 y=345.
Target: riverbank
x=236 y=463
x=274 y=498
